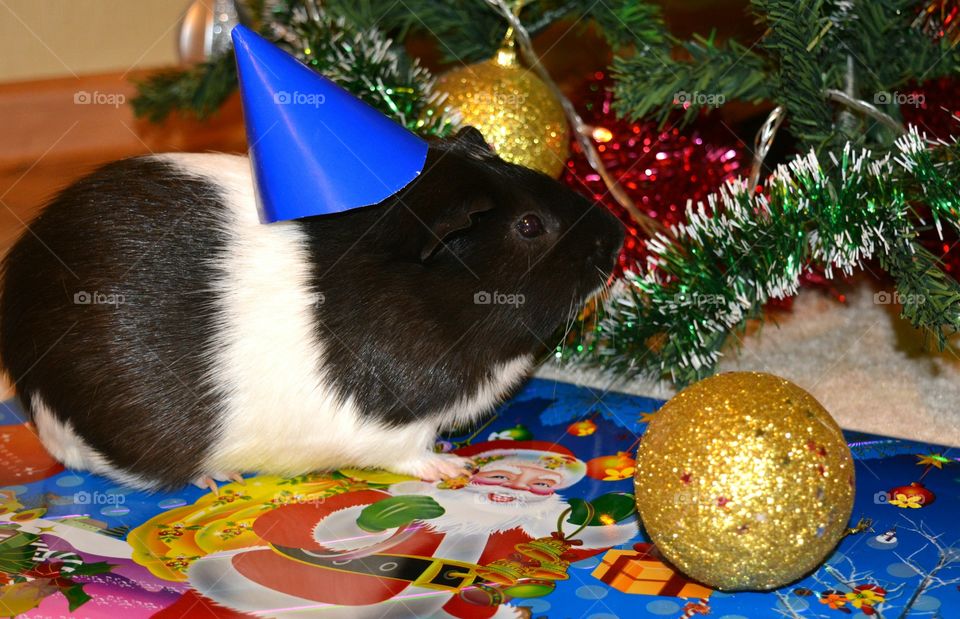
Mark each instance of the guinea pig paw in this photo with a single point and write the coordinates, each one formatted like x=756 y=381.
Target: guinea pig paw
x=436 y=467
x=209 y=482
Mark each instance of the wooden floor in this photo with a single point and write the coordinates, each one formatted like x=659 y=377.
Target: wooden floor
x=54 y=131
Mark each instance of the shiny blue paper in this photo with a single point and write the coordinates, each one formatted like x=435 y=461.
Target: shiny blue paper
x=316 y=149
x=906 y=565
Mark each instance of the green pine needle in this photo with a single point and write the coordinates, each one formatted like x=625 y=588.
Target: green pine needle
x=199 y=90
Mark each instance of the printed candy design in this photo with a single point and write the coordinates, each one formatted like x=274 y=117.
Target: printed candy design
x=867 y=597
x=612 y=468
x=913 y=496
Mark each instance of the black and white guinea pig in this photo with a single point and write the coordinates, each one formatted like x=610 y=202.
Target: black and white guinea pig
x=159 y=334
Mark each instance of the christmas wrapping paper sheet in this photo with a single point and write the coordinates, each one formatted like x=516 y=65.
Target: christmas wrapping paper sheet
x=545 y=528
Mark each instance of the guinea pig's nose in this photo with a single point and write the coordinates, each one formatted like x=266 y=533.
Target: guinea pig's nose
x=613 y=229
x=608 y=248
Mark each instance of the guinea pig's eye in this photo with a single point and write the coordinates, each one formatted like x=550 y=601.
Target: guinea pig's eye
x=530 y=226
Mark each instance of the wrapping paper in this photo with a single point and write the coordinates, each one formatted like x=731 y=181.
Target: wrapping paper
x=545 y=529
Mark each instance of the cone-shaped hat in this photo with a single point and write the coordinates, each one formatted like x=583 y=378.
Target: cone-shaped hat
x=316 y=149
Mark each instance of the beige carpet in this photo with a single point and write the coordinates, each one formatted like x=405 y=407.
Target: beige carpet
x=865 y=365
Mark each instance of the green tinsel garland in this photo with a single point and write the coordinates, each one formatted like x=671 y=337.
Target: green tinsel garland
x=672 y=316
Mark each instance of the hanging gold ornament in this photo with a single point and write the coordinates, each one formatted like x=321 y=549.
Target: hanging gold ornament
x=513 y=109
x=744 y=481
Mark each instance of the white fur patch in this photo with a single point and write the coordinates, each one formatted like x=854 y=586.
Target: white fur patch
x=63 y=443
x=280 y=414
x=471 y=406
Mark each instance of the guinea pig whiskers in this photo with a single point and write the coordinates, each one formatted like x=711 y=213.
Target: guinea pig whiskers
x=572 y=315
x=605 y=283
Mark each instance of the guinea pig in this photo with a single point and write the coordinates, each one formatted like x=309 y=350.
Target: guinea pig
x=159 y=334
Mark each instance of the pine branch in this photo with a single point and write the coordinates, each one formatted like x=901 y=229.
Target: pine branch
x=887 y=50
x=866 y=49
x=466 y=31
x=627 y=23
x=469 y=30
x=199 y=90
x=361 y=60
x=365 y=63
x=929 y=297
x=652 y=83
x=794 y=41
x=872 y=52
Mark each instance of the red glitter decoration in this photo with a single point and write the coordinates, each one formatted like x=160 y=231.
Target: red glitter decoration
x=937 y=107
x=659 y=169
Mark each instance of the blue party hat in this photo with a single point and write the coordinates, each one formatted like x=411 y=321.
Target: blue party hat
x=315 y=148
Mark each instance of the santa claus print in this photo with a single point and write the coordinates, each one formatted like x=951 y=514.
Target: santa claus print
x=456 y=548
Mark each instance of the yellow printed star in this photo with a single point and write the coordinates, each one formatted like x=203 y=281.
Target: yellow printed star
x=936 y=460
x=647 y=417
x=45 y=529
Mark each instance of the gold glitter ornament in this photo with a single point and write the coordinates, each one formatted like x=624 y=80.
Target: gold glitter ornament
x=744 y=481
x=512 y=108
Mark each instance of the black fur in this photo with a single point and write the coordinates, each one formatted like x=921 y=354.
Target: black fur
x=403 y=333
x=128 y=376
x=407 y=336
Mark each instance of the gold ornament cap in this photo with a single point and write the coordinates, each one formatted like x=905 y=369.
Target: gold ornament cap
x=514 y=110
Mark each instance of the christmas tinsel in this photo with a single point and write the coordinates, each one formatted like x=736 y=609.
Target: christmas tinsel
x=835 y=70
x=361 y=60
x=672 y=316
x=364 y=62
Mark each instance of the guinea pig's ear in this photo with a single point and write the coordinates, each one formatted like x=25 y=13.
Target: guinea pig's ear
x=471 y=142
x=449 y=221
